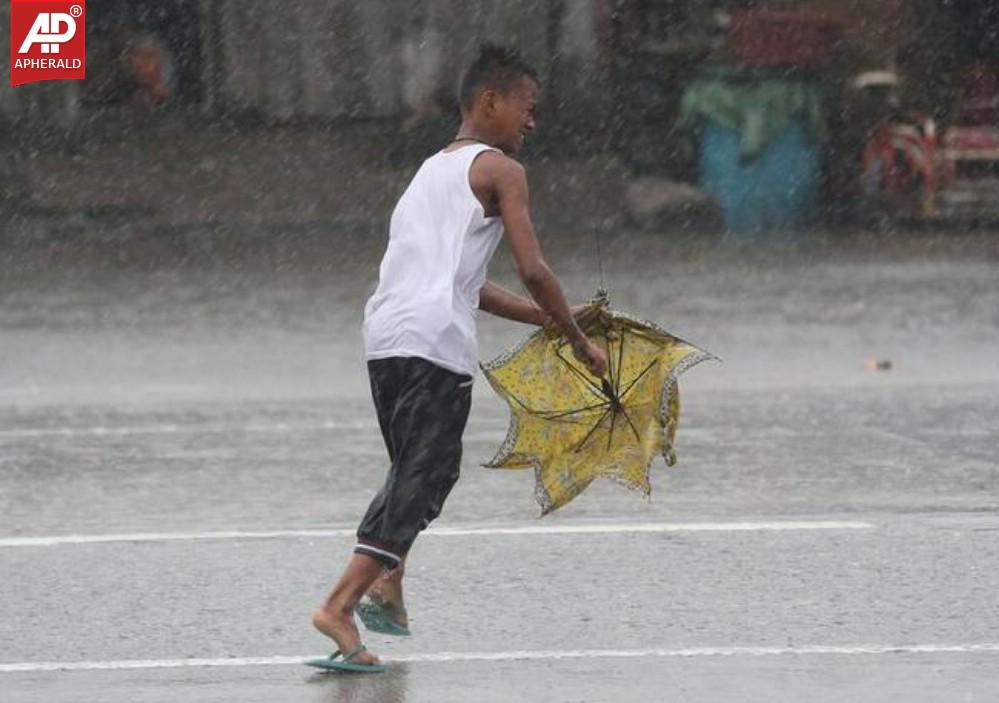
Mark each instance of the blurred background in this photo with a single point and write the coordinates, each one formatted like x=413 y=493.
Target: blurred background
x=743 y=116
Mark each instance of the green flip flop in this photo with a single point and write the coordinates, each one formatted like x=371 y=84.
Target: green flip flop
x=334 y=663
x=377 y=619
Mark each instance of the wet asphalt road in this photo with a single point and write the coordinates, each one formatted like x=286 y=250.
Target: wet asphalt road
x=224 y=404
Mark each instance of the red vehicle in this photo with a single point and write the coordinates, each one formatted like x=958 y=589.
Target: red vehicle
x=969 y=159
x=917 y=172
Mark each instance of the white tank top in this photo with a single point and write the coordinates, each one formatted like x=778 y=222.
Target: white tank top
x=439 y=246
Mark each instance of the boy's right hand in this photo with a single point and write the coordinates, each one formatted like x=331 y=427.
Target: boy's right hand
x=592 y=356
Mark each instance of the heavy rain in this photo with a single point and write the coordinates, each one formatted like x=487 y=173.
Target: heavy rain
x=192 y=227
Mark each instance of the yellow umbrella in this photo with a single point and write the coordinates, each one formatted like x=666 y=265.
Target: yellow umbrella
x=571 y=427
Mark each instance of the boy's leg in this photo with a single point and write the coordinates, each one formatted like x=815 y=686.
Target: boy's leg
x=335 y=618
x=422 y=411
x=387 y=384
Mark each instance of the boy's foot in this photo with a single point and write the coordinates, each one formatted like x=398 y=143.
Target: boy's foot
x=380 y=618
x=340 y=628
x=386 y=593
x=393 y=609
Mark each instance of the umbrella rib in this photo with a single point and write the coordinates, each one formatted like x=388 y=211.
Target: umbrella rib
x=610 y=436
x=638 y=437
x=590 y=433
x=541 y=413
x=520 y=402
x=638 y=378
x=562 y=420
x=593 y=386
x=561 y=413
x=620 y=361
x=556 y=418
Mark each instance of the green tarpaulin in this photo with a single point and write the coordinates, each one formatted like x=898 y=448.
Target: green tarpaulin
x=758 y=106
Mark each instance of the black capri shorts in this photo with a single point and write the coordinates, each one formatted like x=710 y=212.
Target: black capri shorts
x=422 y=410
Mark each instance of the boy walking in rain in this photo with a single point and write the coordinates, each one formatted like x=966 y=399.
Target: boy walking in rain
x=419 y=333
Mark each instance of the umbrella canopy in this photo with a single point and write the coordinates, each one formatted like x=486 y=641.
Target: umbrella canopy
x=571 y=427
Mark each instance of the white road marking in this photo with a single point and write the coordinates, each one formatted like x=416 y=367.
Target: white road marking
x=182 y=429
x=626 y=528
x=104 y=391
x=516 y=655
x=27 y=433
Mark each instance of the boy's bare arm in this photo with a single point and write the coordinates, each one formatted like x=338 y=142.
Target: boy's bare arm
x=501 y=185
x=495 y=299
x=504 y=179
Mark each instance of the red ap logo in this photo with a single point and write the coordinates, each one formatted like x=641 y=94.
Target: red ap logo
x=48 y=41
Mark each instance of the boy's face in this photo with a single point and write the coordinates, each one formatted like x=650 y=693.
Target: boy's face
x=512 y=114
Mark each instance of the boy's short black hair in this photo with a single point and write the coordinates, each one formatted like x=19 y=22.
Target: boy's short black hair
x=498 y=67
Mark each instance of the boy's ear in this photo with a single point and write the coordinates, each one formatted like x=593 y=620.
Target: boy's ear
x=488 y=101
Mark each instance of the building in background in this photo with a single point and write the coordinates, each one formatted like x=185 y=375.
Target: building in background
x=615 y=71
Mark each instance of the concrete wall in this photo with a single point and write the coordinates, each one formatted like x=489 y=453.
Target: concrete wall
x=356 y=58
x=873 y=31
x=377 y=58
